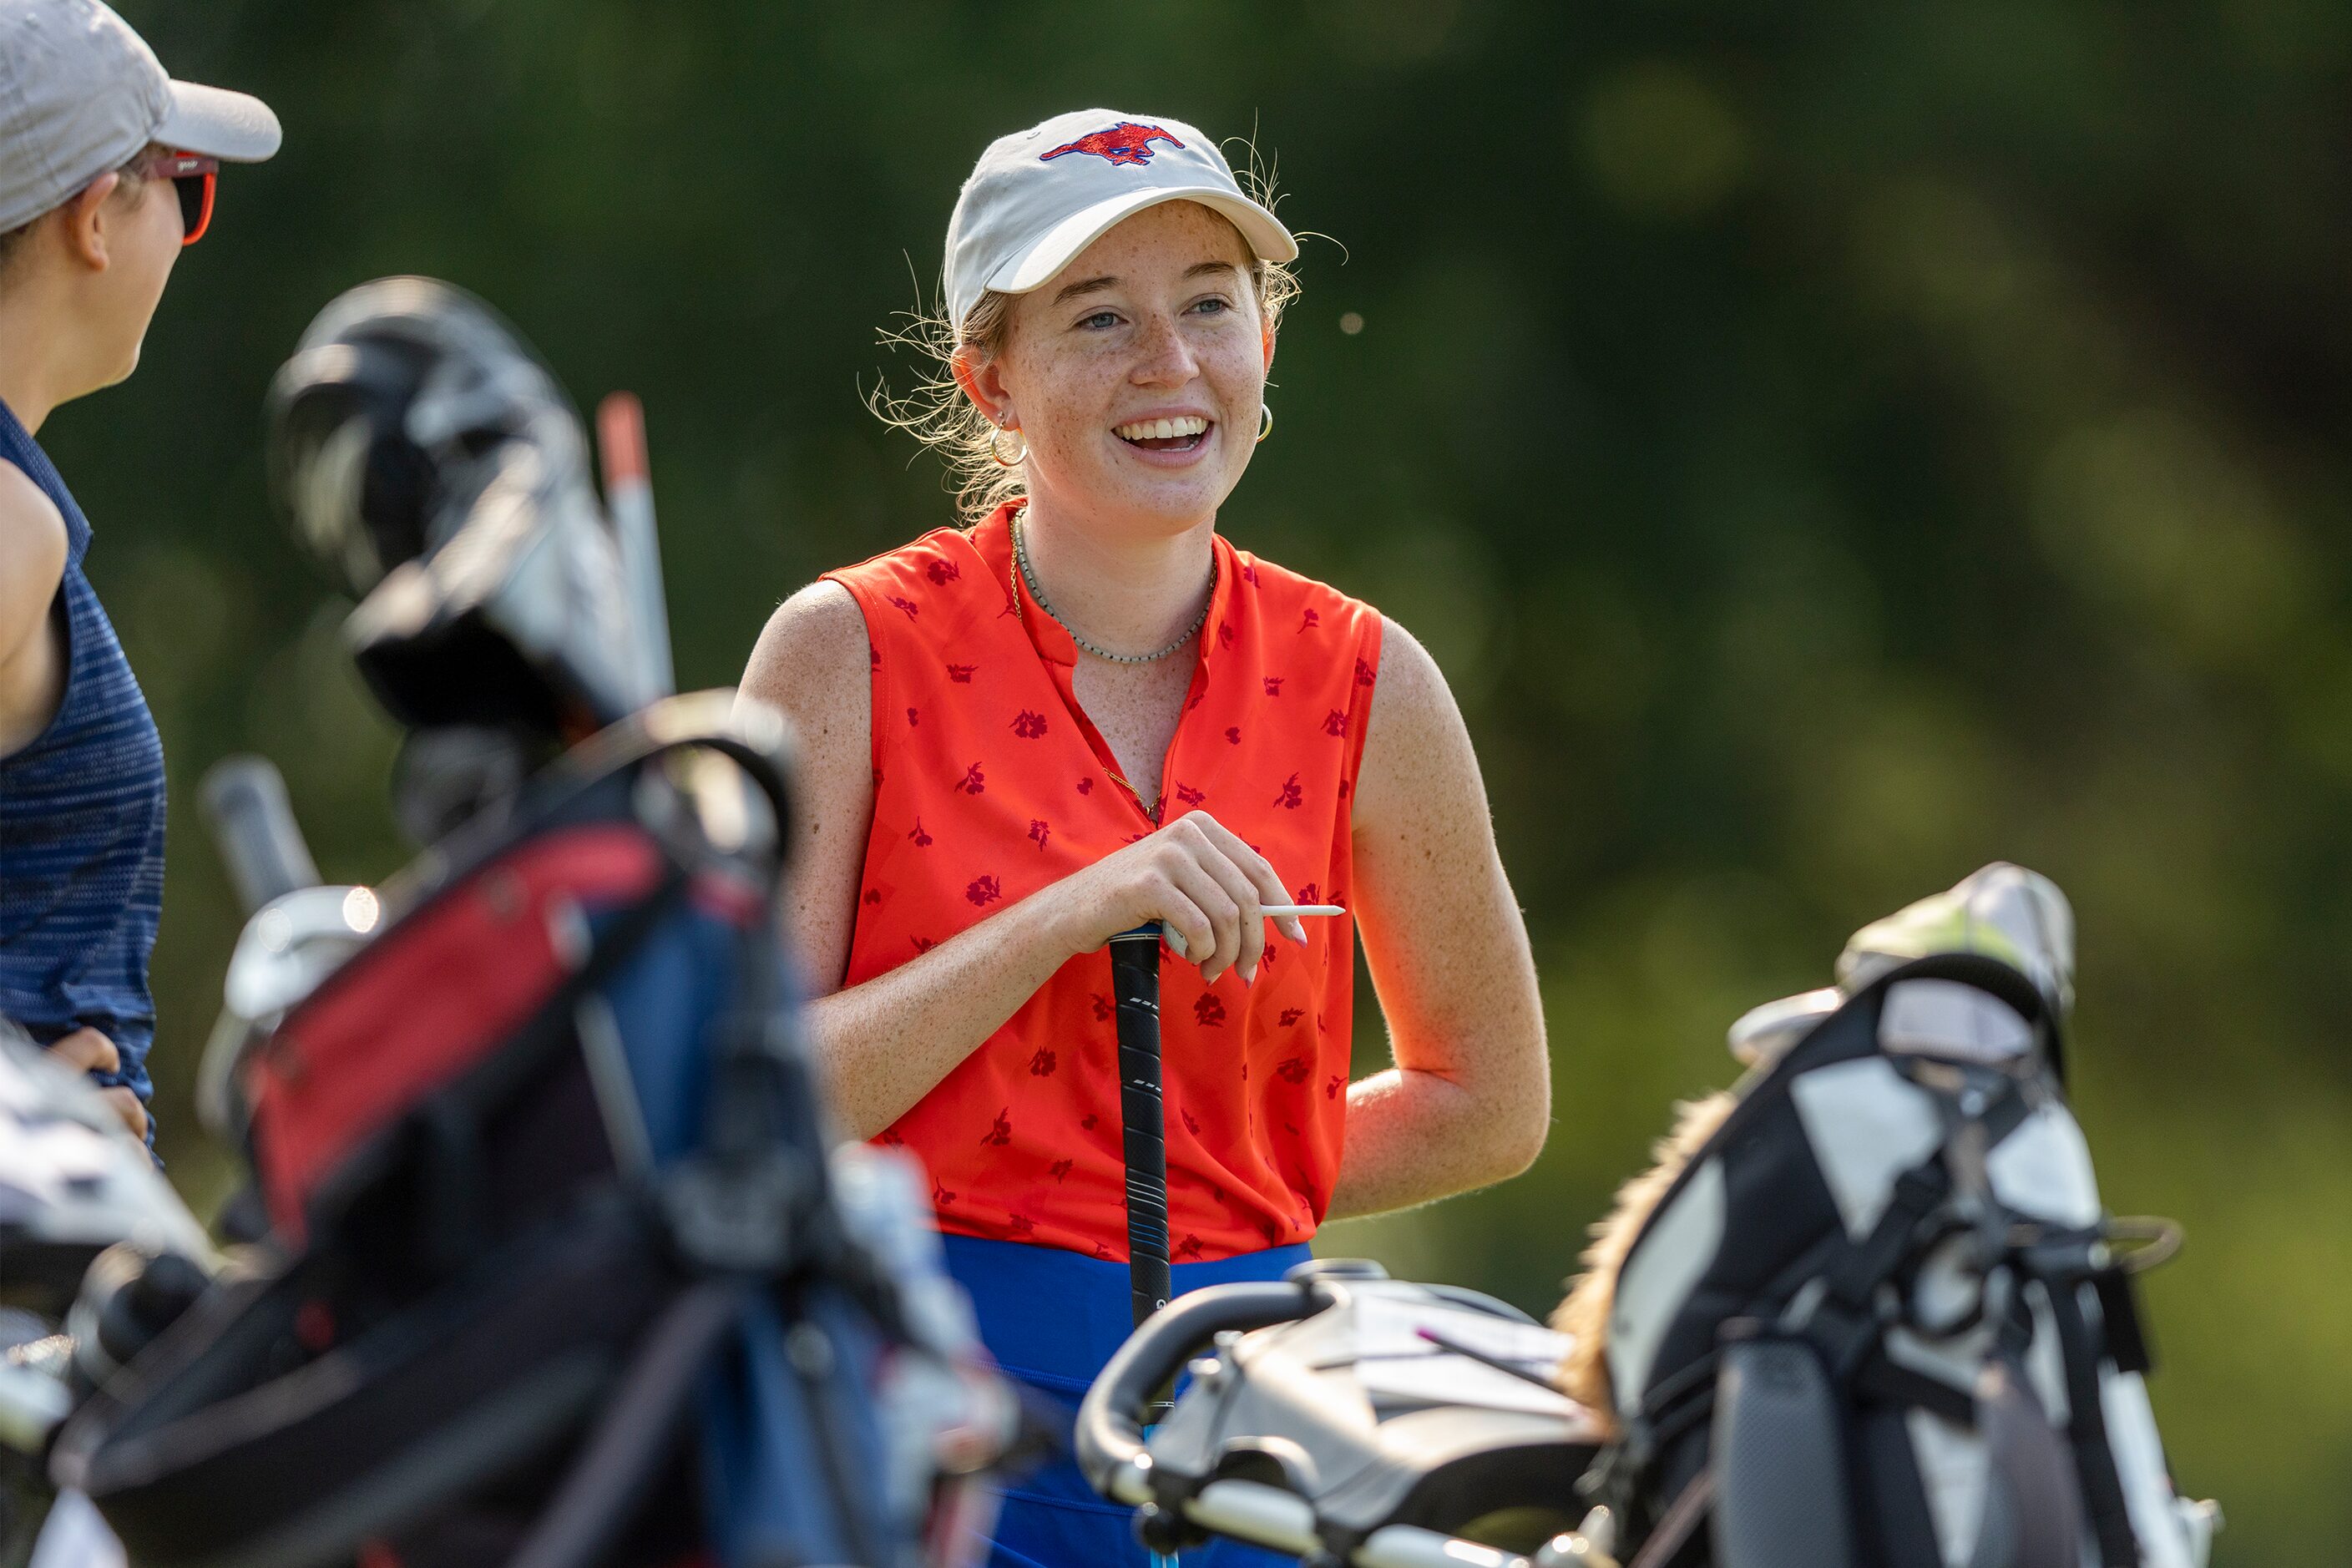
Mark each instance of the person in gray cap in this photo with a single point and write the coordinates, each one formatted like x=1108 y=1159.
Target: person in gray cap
x=107 y=170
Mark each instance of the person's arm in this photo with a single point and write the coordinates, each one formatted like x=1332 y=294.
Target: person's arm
x=32 y=562
x=882 y=1045
x=32 y=680
x=1469 y=1100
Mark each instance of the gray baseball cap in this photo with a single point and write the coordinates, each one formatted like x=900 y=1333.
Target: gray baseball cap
x=80 y=93
x=1040 y=196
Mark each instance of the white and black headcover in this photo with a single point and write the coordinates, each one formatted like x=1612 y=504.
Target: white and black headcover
x=1882 y=1309
x=429 y=459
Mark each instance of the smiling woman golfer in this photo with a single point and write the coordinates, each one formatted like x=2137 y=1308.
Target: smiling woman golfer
x=1089 y=710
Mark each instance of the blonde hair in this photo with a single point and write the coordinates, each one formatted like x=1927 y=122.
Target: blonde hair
x=940 y=414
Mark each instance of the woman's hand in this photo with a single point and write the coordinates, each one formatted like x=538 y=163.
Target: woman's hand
x=87 y=1050
x=1197 y=879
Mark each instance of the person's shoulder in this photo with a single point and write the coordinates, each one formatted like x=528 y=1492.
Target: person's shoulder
x=33 y=546
x=815 y=640
x=942 y=557
x=1279 y=586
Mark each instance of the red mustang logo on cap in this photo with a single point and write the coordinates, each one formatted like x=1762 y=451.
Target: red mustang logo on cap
x=1125 y=142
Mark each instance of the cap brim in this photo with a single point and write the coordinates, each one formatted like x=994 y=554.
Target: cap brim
x=1060 y=245
x=232 y=126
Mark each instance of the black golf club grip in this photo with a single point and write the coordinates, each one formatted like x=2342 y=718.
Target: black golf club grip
x=244 y=800
x=1135 y=993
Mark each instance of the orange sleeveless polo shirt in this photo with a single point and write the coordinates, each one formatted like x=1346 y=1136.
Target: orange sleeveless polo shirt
x=990 y=785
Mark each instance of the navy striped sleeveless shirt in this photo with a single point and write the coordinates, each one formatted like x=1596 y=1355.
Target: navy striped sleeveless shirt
x=82 y=827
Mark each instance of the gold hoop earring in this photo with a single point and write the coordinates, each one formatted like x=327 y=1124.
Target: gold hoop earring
x=1013 y=457
x=1264 y=420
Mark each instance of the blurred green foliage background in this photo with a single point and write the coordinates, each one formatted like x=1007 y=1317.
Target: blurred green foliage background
x=1827 y=446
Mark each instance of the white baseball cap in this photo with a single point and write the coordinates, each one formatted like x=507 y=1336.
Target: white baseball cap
x=80 y=93
x=1040 y=196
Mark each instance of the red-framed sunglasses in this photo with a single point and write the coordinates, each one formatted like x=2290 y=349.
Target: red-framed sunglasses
x=193 y=178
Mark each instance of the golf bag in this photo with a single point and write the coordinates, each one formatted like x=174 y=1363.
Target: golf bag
x=1879 y=1315
x=564 y=1267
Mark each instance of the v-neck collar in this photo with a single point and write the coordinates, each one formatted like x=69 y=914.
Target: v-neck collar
x=991 y=538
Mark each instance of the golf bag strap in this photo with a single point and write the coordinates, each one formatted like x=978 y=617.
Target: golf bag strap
x=1889 y=1380
x=2086 y=1428
x=1678 y=1523
x=2127 y=1334
x=1862 y=1266
x=632 y=1438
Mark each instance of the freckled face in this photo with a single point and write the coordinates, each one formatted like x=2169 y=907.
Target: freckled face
x=1136 y=376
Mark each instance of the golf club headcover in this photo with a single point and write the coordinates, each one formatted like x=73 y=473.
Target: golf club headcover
x=429 y=459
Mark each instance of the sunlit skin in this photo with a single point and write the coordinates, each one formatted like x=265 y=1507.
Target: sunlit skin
x=75 y=297
x=1157 y=318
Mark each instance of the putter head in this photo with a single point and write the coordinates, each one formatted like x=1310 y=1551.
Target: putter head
x=432 y=463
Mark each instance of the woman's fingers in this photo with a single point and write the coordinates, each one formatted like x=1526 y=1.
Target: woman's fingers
x=126 y=1105
x=1185 y=918
x=1249 y=926
x=87 y=1050
x=1260 y=873
x=1222 y=942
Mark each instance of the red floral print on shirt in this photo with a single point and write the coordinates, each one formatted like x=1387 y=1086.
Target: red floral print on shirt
x=984 y=889
x=962 y=673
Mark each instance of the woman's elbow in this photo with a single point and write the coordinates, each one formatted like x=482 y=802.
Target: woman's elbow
x=1523 y=1121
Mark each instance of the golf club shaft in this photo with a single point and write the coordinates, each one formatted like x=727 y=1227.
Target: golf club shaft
x=629 y=497
x=1135 y=993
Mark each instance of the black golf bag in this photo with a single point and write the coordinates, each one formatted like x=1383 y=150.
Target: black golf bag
x=1880 y=1317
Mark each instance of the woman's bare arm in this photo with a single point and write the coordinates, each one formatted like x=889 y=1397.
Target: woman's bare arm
x=1469 y=1100
x=882 y=1045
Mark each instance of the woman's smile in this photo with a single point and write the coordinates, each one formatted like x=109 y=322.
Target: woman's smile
x=1167 y=440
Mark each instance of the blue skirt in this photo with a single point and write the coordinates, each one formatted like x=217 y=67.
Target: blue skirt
x=1052 y=1318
